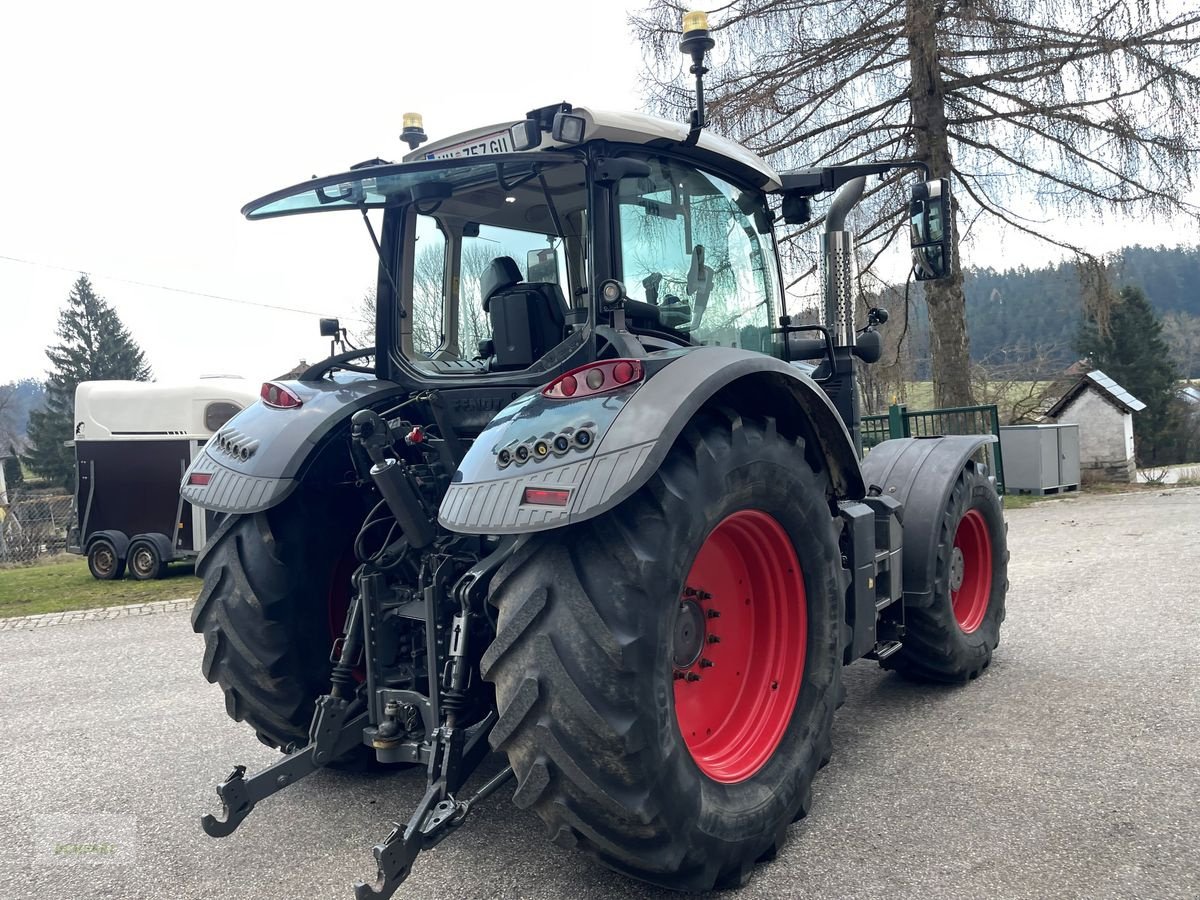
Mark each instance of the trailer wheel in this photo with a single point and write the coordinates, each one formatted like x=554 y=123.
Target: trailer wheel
x=103 y=561
x=144 y=561
x=266 y=613
x=666 y=673
x=952 y=639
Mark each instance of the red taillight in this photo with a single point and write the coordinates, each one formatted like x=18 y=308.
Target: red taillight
x=200 y=478
x=278 y=396
x=595 y=378
x=545 y=497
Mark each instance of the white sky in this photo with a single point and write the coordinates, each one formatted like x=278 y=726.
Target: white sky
x=132 y=133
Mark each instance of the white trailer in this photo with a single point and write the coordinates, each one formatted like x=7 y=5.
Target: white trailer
x=133 y=442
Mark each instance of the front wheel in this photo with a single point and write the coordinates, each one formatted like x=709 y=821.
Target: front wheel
x=666 y=673
x=951 y=639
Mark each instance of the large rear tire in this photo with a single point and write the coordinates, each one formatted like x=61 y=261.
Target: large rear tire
x=273 y=582
x=952 y=638
x=664 y=754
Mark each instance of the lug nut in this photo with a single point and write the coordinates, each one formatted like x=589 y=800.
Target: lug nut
x=714 y=614
x=706 y=663
x=692 y=676
x=705 y=595
x=713 y=639
x=678 y=676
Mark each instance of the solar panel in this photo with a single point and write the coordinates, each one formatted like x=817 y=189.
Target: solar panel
x=1115 y=391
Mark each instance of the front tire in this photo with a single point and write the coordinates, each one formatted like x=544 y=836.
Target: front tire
x=272 y=583
x=597 y=643
x=952 y=639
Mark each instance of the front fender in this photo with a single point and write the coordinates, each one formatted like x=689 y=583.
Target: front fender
x=633 y=429
x=254 y=461
x=920 y=473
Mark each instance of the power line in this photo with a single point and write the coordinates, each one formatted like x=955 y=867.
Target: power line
x=176 y=290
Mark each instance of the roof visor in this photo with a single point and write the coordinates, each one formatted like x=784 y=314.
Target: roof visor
x=376 y=187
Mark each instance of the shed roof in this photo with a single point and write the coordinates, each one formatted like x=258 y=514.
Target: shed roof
x=1103 y=385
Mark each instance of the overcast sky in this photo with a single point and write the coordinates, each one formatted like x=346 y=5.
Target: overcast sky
x=132 y=133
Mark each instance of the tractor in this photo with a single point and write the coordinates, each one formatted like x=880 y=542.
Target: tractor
x=594 y=500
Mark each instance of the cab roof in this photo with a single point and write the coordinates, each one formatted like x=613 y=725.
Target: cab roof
x=624 y=128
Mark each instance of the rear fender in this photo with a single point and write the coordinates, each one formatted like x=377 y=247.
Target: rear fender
x=920 y=473
x=632 y=429
x=256 y=459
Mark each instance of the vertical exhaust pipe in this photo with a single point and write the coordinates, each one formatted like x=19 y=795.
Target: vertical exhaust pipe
x=839 y=264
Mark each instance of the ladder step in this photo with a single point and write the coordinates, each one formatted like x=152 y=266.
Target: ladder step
x=884 y=649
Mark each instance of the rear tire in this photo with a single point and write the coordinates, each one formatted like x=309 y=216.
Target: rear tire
x=594 y=635
x=952 y=639
x=144 y=563
x=264 y=611
x=103 y=561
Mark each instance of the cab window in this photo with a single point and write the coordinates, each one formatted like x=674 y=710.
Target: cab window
x=700 y=250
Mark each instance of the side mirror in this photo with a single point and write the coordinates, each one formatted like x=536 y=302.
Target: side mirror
x=930 y=233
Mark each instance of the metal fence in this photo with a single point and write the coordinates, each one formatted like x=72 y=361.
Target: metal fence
x=898 y=422
x=34 y=524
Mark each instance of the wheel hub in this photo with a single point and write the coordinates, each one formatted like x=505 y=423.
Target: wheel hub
x=956 y=569
x=689 y=634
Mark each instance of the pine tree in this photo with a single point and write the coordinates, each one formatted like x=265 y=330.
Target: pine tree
x=93 y=345
x=1133 y=353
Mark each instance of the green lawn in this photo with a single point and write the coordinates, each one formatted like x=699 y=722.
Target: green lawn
x=66 y=584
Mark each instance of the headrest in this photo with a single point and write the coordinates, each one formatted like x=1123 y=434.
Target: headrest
x=501 y=274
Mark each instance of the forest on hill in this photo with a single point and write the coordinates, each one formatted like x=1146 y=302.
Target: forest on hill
x=1025 y=314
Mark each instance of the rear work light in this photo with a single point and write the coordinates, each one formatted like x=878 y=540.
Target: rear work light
x=595 y=378
x=545 y=497
x=277 y=396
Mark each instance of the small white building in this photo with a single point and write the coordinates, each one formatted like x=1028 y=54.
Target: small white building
x=1103 y=410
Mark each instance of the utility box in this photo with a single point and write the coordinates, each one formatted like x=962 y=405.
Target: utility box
x=1040 y=459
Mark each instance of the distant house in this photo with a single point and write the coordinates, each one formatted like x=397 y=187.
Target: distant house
x=1103 y=410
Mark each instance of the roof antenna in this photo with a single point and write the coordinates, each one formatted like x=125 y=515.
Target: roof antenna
x=695 y=43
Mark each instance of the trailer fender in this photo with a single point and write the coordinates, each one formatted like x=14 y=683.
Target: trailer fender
x=256 y=459
x=118 y=539
x=161 y=543
x=630 y=430
x=920 y=473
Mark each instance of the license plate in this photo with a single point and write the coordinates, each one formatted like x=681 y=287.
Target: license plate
x=485 y=145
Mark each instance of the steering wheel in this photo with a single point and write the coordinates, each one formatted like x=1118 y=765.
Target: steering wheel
x=340 y=361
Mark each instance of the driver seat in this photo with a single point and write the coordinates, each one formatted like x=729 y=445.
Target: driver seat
x=528 y=318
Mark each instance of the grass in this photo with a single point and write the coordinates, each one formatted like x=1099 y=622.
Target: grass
x=63 y=584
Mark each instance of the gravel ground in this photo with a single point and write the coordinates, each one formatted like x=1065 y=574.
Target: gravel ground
x=1070 y=769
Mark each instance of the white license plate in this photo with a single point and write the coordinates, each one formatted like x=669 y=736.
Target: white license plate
x=497 y=142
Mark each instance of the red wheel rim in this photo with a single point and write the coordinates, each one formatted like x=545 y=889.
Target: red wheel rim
x=738 y=646
x=971 y=571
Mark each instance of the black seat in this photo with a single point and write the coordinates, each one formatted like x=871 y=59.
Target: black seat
x=528 y=318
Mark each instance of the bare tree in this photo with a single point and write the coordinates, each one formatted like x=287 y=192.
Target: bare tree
x=1078 y=105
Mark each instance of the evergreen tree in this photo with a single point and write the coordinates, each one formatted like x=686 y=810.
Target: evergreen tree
x=1133 y=353
x=13 y=476
x=93 y=345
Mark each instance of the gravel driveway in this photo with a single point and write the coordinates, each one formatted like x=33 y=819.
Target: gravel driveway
x=1070 y=769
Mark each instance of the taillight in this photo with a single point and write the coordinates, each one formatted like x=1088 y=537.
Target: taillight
x=200 y=478
x=278 y=396
x=595 y=378
x=545 y=497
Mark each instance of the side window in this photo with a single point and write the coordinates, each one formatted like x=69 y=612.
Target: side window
x=700 y=250
x=429 y=276
x=218 y=413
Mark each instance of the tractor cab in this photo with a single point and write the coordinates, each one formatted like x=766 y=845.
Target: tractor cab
x=494 y=244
